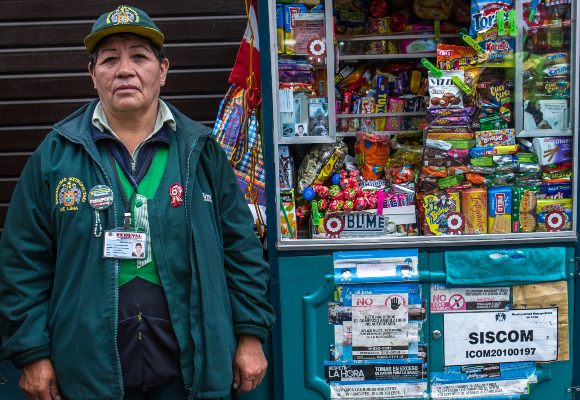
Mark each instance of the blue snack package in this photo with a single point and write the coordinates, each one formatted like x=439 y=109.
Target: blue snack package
x=483 y=15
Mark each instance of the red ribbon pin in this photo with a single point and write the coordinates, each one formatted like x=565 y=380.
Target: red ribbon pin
x=176 y=193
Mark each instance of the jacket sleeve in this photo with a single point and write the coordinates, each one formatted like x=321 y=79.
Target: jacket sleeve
x=27 y=260
x=247 y=272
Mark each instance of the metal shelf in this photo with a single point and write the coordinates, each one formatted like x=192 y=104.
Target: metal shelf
x=387 y=114
x=358 y=57
x=353 y=134
x=544 y=133
x=391 y=36
x=425 y=241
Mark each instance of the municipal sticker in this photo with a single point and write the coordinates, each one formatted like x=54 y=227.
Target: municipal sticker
x=501 y=337
x=100 y=197
x=70 y=193
x=372 y=390
x=380 y=326
x=479 y=389
x=447 y=299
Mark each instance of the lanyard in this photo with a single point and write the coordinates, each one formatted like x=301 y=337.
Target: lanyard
x=127 y=201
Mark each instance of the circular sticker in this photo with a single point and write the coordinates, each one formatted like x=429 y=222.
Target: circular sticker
x=316 y=51
x=333 y=226
x=455 y=223
x=101 y=197
x=555 y=221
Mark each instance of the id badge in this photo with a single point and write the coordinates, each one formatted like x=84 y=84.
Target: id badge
x=123 y=244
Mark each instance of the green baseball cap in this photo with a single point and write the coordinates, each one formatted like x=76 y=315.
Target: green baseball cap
x=124 y=19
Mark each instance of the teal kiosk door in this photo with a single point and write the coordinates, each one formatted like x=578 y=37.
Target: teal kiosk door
x=506 y=334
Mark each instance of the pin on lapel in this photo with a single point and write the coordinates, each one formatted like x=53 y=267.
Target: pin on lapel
x=176 y=193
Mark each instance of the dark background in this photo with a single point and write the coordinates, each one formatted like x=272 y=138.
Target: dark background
x=43 y=65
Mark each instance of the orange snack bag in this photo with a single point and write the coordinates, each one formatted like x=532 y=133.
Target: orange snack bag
x=372 y=152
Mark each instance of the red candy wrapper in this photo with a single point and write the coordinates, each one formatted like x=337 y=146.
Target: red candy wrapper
x=348 y=205
x=335 y=205
x=349 y=193
x=323 y=191
x=360 y=204
x=322 y=204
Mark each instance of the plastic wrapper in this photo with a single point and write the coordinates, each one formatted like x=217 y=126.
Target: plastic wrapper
x=320 y=162
x=444 y=93
x=524 y=208
x=500 y=209
x=405 y=153
x=553 y=215
x=450 y=57
x=435 y=210
x=372 y=152
x=474 y=209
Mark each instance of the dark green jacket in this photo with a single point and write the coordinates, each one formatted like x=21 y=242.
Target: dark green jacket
x=58 y=296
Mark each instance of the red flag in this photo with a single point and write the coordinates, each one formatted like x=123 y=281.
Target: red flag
x=241 y=70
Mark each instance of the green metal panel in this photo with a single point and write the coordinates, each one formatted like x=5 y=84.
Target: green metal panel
x=554 y=379
x=306 y=286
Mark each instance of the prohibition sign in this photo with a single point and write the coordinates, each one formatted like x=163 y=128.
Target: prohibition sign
x=456 y=302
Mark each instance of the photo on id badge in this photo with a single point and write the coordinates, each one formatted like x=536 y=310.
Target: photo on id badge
x=318 y=116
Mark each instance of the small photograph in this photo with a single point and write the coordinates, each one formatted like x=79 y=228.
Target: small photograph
x=288 y=129
x=301 y=129
x=318 y=117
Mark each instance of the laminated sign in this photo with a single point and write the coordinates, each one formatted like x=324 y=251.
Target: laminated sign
x=499 y=337
x=380 y=326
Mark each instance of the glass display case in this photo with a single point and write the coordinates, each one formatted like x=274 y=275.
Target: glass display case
x=397 y=125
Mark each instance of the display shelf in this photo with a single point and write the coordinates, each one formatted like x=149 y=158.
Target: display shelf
x=358 y=57
x=544 y=132
x=353 y=134
x=402 y=36
x=379 y=115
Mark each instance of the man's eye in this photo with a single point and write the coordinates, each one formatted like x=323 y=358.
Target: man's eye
x=140 y=57
x=109 y=60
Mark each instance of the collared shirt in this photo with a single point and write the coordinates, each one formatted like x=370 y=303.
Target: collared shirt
x=134 y=165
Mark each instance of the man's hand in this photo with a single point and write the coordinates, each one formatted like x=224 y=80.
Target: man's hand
x=250 y=364
x=38 y=381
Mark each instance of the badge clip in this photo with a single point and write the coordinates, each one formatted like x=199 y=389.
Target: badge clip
x=127 y=221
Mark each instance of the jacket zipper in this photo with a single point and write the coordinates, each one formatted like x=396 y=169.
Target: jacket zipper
x=116 y=288
x=193 y=389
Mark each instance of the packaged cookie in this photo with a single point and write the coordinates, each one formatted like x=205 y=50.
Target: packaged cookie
x=443 y=92
x=474 y=209
x=500 y=209
x=524 y=208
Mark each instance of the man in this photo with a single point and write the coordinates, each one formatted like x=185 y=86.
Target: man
x=300 y=130
x=81 y=320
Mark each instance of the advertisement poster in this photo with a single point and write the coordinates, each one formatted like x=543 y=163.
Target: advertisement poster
x=380 y=325
x=447 y=299
x=411 y=368
x=501 y=337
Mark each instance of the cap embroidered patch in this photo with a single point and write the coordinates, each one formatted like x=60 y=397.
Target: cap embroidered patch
x=123 y=15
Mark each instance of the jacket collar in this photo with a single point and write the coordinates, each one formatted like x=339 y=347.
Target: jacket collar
x=190 y=135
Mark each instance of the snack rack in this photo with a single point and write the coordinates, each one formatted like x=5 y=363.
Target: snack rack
x=306 y=273
x=338 y=56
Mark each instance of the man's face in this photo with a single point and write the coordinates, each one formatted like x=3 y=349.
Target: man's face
x=127 y=74
x=138 y=249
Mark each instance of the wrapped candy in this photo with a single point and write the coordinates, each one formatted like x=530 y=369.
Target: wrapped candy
x=320 y=162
